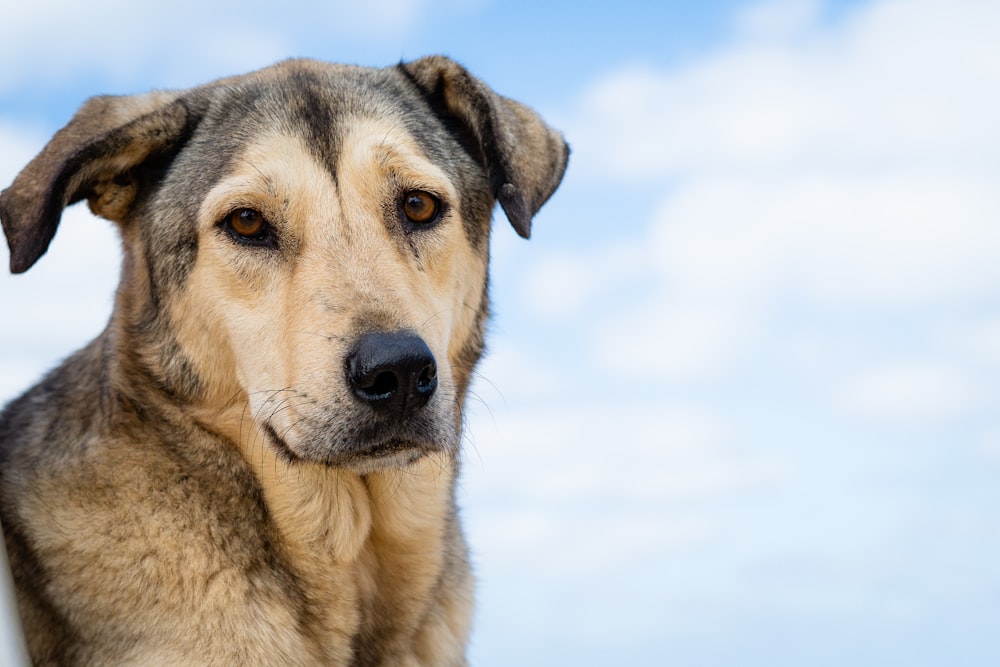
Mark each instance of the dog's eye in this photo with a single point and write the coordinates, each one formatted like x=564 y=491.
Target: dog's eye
x=420 y=208
x=249 y=227
x=246 y=222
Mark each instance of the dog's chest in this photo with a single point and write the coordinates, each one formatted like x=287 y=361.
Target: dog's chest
x=332 y=570
x=365 y=553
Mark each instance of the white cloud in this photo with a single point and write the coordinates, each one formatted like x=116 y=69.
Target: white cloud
x=84 y=258
x=847 y=166
x=902 y=82
x=914 y=393
x=898 y=239
x=561 y=546
x=510 y=370
x=988 y=446
x=609 y=452
x=674 y=340
x=182 y=42
x=586 y=488
x=778 y=18
x=560 y=285
x=980 y=339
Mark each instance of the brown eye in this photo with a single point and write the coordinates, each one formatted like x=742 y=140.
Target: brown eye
x=420 y=207
x=249 y=227
x=247 y=223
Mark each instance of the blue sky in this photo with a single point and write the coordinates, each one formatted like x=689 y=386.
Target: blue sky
x=741 y=403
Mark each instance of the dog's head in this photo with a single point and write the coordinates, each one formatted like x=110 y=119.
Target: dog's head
x=306 y=246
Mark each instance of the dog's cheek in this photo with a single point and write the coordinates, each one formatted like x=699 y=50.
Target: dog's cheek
x=462 y=282
x=204 y=318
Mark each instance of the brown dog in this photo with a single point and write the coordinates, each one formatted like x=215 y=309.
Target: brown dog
x=255 y=463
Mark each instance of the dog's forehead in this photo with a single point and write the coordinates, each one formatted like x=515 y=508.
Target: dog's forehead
x=319 y=102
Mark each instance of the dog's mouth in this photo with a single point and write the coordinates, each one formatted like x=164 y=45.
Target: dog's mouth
x=362 y=455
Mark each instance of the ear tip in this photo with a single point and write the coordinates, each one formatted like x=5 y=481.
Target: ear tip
x=20 y=264
x=22 y=259
x=24 y=252
x=516 y=208
x=523 y=230
x=26 y=245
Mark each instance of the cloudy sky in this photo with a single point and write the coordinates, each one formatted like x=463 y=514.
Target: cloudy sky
x=742 y=402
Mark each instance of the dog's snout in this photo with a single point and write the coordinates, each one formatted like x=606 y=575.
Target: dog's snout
x=393 y=372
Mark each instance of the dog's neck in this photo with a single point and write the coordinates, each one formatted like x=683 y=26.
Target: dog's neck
x=328 y=512
x=361 y=543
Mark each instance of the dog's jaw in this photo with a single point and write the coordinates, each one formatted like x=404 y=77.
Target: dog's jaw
x=364 y=457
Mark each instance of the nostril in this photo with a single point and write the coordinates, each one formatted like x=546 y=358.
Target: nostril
x=427 y=381
x=381 y=386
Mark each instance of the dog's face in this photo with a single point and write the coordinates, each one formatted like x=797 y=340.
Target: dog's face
x=304 y=253
x=306 y=246
x=310 y=243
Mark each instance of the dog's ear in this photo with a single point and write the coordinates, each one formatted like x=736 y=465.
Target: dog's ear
x=524 y=158
x=92 y=157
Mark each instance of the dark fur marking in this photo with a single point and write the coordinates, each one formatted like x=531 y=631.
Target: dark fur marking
x=311 y=111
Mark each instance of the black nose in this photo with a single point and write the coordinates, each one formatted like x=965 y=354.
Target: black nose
x=393 y=372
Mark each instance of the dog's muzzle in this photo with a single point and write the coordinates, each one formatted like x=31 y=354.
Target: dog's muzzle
x=393 y=373
x=393 y=419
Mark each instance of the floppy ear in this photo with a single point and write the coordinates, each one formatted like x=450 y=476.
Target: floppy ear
x=91 y=157
x=524 y=158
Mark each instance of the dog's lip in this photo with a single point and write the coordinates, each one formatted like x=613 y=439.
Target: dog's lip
x=279 y=443
x=376 y=450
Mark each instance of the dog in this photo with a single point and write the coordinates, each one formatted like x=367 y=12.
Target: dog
x=255 y=462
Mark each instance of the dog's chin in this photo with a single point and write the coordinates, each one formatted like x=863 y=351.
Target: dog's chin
x=363 y=458
x=390 y=456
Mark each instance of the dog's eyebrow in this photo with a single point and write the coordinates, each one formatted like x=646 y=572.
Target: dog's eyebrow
x=253 y=165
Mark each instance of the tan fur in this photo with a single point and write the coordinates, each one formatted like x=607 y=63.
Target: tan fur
x=199 y=503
